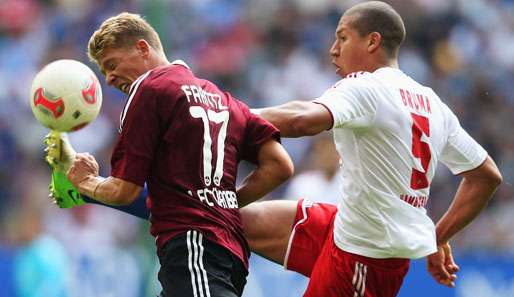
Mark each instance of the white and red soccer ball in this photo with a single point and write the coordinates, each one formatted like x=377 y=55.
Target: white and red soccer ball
x=65 y=96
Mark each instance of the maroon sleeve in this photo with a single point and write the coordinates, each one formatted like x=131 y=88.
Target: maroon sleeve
x=258 y=131
x=139 y=137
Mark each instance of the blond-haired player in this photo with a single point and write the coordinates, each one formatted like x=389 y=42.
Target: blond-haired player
x=183 y=137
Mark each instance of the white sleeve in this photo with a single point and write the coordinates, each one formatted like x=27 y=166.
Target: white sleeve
x=351 y=103
x=461 y=152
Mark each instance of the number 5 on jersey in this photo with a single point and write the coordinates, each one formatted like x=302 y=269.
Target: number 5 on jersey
x=216 y=117
x=420 y=150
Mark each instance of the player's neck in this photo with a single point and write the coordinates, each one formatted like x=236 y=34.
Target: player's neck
x=392 y=63
x=157 y=60
x=162 y=61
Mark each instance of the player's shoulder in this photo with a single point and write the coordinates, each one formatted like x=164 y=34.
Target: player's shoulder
x=162 y=78
x=176 y=67
x=175 y=71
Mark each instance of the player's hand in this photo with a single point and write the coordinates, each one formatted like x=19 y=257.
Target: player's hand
x=449 y=262
x=83 y=168
x=442 y=267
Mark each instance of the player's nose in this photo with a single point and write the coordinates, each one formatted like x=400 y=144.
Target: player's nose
x=334 y=49
x=110 y=79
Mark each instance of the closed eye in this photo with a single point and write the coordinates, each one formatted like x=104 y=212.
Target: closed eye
x=108 y=65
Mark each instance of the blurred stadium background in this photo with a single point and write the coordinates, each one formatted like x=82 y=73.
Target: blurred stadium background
x=265 y=52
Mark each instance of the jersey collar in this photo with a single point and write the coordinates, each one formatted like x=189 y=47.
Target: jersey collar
x=180 y=62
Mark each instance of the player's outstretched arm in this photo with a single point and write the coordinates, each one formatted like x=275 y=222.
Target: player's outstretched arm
x=83 y=174
x=274 y=167
x=65 y=195
x=60 y=155
x=297 y=118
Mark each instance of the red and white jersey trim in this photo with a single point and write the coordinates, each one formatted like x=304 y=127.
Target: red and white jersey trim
x=133 y=88
x=132 y=92
x=351 y=75
x=355 y=74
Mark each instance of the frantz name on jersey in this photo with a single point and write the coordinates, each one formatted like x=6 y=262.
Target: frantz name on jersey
x=199 y=95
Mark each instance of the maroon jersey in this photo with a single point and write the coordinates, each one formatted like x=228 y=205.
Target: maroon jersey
x=184 y=137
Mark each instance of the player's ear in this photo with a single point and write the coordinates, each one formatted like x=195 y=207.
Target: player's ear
x=143 y=47
x=374 y=41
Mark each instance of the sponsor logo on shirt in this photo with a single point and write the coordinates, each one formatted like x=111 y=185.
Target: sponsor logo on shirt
x=216 y=197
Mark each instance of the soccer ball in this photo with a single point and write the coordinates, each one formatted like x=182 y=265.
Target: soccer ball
x=65 y=95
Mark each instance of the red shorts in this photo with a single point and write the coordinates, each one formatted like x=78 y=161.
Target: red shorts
x=332 y=271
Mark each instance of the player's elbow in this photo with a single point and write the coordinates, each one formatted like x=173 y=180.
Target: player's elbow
x=284 y=169
x=282 y=166
x=495 y=178
x=274 y=162
x=486 y=176
x=279 y=170
x=491 y=173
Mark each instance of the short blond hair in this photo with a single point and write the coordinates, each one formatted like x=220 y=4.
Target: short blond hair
x=121 y=31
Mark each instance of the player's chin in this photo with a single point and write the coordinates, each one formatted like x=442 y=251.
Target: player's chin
x=340 y=72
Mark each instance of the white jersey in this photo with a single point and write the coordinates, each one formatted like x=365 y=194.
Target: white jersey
x=390 y=131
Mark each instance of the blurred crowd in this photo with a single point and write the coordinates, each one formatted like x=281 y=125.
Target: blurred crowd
x=265 y=52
